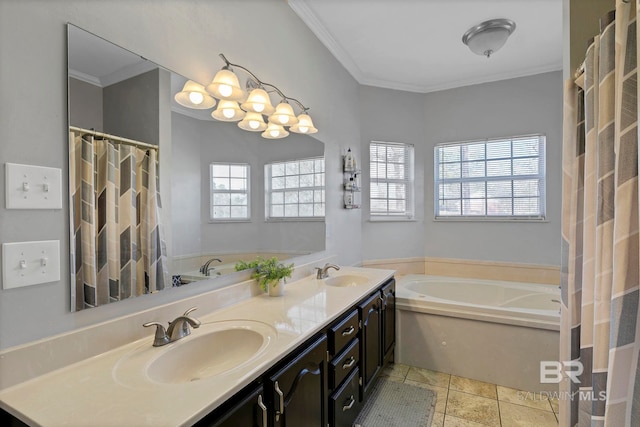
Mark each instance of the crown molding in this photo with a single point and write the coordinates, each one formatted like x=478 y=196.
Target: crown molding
x=388 y=84
x=84 y=77
x=302 y=9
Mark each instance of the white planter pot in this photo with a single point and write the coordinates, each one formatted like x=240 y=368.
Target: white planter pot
x=276 y=289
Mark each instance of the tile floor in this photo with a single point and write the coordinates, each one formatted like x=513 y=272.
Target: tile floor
x=463 y=402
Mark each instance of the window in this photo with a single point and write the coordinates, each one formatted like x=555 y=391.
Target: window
x=391 y=170
x=229 y=191
x=295 y=189
x=497 y=178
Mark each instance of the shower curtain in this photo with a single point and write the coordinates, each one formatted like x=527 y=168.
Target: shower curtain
x=117 y=243
x=600 y=241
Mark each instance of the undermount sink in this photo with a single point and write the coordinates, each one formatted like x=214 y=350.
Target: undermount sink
x=217 y=348
x=346 y=280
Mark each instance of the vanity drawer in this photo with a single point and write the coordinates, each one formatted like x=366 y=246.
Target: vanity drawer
x=344 y=363
x=344 y=404
x=343 y=332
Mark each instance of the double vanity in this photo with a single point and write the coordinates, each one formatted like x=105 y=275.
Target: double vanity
x=307 y=358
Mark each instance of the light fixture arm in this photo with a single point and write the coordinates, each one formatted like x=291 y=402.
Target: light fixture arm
x=261 y=83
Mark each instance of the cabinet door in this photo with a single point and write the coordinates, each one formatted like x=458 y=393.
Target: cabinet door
x=389 y=320
x=247 y=409
x=299 y=391
x=370 y=347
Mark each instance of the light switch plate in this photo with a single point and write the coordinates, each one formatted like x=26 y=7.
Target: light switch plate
x=33 y=187
x=30 y=263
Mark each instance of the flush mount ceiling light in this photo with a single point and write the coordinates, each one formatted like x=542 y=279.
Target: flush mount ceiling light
x=488 y=37
x=252 y=109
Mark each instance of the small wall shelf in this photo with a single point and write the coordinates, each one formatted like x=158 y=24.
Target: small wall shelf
x=351 y=183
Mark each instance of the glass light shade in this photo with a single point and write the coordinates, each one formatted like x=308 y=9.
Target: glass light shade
x=489 y=36
x=193 y=95
x=228 y=111
x=225 y=85
x=258 y=101
x=253 y=122
x=304 y=125
x=275 y=131
x=283 y=115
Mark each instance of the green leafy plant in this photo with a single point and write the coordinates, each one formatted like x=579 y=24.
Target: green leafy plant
x=267 y=271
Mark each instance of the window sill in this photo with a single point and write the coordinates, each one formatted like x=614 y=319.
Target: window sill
x=228 y=221
x=392 y=219
x=296 y=219
x=483 y=219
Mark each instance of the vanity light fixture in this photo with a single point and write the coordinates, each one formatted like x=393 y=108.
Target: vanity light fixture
x=252 y=109
x=194 y=95
x=253 y=122
x=228 y=111
x=489 y=36
x=275 y=131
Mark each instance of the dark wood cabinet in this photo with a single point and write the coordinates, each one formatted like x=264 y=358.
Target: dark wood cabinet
x=388 y=320
x=299 y=390
x=371 y=339
x=325 y=381
x=248 y=409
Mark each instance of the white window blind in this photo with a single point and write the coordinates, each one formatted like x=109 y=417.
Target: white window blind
x=229 y=191
x=497 y=178
x=295 y=189
x=391 y=180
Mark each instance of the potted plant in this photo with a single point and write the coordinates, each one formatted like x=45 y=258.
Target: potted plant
x=270 y=273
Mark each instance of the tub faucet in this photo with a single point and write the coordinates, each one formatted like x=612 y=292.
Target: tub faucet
x=178 y=328
x=323 y=271
x=205 y=267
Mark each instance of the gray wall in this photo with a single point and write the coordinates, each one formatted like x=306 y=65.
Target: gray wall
x=185 y=37
x=506 y=108
x=393 y=116
x=131 y=107
x=85 y=105
x=196 y=144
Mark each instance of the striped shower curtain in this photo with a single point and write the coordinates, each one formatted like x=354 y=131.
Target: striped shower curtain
x=600 y=242
x=117 y=244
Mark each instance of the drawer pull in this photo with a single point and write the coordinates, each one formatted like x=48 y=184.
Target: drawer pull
x=349 y=363
x=348 y=331
x=350 y=405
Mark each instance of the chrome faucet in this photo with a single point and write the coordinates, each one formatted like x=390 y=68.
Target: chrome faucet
x=178 y=328
x=205 y=267
x=323 y=271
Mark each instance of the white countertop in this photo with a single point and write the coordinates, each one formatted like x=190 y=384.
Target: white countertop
x=95 y=392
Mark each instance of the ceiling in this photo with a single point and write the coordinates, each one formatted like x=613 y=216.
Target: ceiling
x=416 y=45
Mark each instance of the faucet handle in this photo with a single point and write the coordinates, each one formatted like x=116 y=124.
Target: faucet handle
x=161 y=338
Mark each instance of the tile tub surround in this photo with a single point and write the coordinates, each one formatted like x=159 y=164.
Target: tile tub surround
x=473 y=269
x=88 y=390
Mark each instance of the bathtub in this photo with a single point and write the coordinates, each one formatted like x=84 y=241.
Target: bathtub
x=492 y=331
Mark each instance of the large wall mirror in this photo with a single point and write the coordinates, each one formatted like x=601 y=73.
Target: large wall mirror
x=233 y=195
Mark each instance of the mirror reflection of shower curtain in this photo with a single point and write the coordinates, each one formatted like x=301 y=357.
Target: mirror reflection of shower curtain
x=117 y=241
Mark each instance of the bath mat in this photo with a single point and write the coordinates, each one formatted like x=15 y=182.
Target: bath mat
x=392 y=404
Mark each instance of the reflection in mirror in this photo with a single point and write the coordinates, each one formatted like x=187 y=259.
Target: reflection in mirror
x=114 y=91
